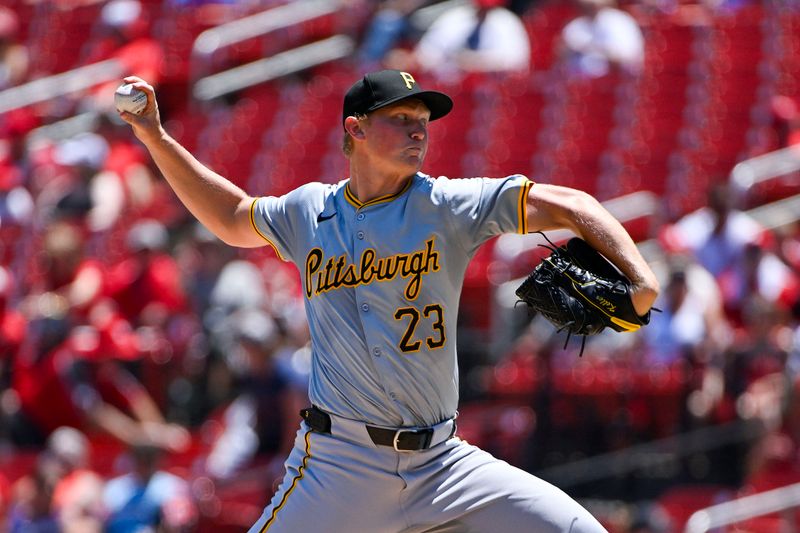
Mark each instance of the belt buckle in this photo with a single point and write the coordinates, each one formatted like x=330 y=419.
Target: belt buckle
x=428 y=432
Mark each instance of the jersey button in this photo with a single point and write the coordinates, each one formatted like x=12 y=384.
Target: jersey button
x=360 y=235
x=376 y=351
x=393 y=396
x=365 y=307
x=361 y=216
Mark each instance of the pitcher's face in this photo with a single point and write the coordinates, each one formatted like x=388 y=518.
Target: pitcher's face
x=398 y=134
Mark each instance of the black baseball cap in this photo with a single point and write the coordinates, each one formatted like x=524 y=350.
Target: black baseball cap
x=379 y=89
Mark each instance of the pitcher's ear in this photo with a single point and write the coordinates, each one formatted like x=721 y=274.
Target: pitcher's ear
x=353 y=126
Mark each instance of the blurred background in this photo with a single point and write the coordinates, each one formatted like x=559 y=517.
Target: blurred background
x=150 y=376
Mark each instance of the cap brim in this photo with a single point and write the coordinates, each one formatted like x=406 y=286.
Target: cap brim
x=439 y=104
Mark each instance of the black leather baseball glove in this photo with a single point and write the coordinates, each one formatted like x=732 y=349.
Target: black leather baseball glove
x=580 y=291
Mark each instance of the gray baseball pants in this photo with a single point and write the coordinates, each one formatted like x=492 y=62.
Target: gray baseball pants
x=343 y=483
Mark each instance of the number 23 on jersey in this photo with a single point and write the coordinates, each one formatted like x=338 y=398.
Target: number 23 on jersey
x=433 y=316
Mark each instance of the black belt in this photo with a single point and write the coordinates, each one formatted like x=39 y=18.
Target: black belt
x=399 y=439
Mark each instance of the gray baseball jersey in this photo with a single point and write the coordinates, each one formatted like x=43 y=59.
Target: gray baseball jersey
x=382 y=282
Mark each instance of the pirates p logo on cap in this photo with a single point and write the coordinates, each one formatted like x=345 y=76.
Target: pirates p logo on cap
x=409 y=79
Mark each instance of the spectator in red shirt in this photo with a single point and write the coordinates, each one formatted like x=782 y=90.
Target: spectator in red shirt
x=146 y=284
x=74 y=377
x=65 y=275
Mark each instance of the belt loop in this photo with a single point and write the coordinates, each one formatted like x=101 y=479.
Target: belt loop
x=317 y=419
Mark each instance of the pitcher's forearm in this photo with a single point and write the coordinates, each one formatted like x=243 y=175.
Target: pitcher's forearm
x=212 y=199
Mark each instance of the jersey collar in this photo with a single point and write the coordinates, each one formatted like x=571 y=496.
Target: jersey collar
x=358 y=204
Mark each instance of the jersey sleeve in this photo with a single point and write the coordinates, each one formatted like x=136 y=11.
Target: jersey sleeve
x=482 y=208
x=282 y=220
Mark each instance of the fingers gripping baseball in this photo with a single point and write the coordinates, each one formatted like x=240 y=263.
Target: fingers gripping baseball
x=147 y=123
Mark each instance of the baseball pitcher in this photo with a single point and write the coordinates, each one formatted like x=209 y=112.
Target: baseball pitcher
x=382 y=256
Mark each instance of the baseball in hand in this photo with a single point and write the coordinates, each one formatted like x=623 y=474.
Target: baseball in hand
x=129 y=98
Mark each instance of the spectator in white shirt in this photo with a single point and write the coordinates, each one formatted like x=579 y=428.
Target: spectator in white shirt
x=601 y=40
x=716 y=235
x=482 y=36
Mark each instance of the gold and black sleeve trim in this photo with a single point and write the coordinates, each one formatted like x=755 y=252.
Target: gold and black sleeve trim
x=255 y=227
x=522 y=210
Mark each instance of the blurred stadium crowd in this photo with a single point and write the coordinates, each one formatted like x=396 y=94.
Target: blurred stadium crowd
x=150 y=376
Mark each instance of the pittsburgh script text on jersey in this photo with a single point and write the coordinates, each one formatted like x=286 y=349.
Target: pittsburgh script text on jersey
x=338 y=273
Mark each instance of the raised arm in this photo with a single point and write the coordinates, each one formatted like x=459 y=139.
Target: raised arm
x=218 y=204
x=553 y=207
